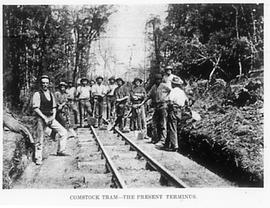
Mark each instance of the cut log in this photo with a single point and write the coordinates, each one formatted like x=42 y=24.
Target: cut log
x=15 y=126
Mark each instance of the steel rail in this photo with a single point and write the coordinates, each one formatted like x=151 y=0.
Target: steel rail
x=169 y=176
x=117 y=179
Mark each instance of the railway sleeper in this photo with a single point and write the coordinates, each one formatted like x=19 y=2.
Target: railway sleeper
x=149 y=166
x=132 y=148
x=107 y=168
x=139 y=156
x=114 y=182
x=164 y=181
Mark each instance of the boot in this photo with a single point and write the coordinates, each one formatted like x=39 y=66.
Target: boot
x=38 y=154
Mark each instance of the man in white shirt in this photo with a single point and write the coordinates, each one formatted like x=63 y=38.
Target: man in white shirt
x=44 y=106
x=84 y=94
x=99 y=90
x=177 y=101
x=168 y=76
x=111 y=99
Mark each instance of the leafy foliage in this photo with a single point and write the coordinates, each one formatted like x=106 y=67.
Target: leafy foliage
x=47 y=39
x=206 y=40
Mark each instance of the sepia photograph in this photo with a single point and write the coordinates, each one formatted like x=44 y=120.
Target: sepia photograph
x=144 y=96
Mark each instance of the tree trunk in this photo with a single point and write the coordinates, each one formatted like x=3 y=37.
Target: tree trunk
x=238 y=37
x=214 y=69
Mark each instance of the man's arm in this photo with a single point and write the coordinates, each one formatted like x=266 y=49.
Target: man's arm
x=147 y=96
x=54 y=108
x=164 y=86
x=121 y=99
x=41 y=115
x=78 y=92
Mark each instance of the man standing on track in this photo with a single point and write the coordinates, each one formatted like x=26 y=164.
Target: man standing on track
x=111 y=99
x=99 y=90
x=61 y=103
x=63 y=113
x=72 y=103
x=44 y=106
x=159 y=96
x=122 y=97
x=84 y=94
x=137 y=96
x=177 y=101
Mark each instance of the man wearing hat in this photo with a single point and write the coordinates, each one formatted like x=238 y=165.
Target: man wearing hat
x=84 y=94
x=63 y=110
x=121 y=94
x=61 y=103
x=72 y=103
x=159 y=96
x=137 y=96
x=44 y=106
x=168 y=76
x=177 y=102
x=99 y=91
x=111 y=98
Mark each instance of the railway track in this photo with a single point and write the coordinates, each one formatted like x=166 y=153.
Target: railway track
x=110 y=159
x=129 y=165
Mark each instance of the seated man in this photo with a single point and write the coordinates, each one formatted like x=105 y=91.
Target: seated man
x=45 y=109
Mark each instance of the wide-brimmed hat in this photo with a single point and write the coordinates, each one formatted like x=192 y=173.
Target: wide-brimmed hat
x=92 y=81
x=44 y=76
x=168 y=68
x=158 y=76
x=137 y=79
x=177 y=81
x=84 y=78
x=99 y=77
x=62 y=84
x=112 y=78
x=120 y=79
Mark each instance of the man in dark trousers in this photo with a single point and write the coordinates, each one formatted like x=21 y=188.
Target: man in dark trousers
x=99 y=91
x=84 y=94
x=177 y=101
x=72 y=102
x=44 y=106
x=111 y=99
x=159 y=96
x=121 y=94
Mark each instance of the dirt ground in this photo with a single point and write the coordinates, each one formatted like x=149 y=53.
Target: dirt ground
x=190 y=172
x=84 y=168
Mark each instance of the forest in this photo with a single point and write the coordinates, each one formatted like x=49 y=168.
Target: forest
x=201 y=41
x=209 y=40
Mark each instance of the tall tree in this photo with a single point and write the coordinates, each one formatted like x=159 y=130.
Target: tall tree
x=47 y=39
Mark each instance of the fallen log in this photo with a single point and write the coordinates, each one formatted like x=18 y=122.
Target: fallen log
x=15 y=126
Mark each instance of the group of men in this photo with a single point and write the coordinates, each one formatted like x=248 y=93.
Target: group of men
x=169 y=102
x=67 y=109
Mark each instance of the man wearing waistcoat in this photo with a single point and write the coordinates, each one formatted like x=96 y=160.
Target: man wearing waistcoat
x=44 y=106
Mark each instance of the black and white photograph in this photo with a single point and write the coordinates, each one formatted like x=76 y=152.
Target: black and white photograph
x=133 y=96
